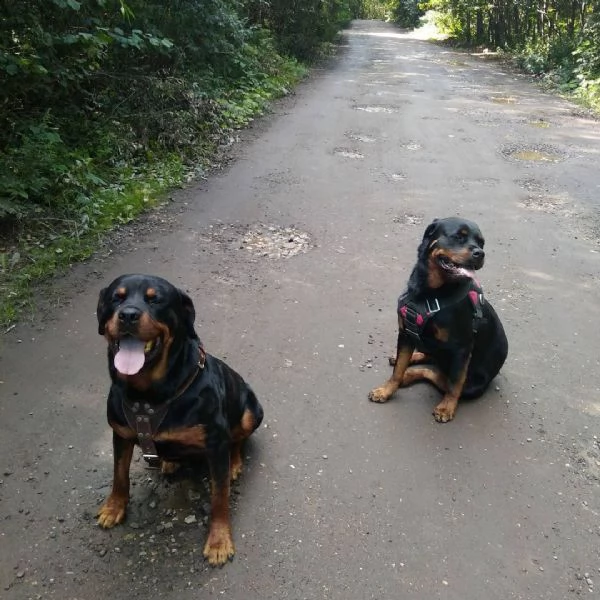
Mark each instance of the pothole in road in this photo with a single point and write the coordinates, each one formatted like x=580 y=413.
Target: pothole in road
x=358 y=137
x=541 y=153
x=259 y=239
x=345 y=153
x=408 y=219
x=410 y=145
x=376 y=108
x=270 y=241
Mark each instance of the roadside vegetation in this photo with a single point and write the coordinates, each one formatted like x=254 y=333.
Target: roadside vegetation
x=107 y=104
x=557 y=40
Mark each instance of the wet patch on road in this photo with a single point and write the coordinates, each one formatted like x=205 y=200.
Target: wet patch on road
x=538 y=153
x=397 y=176
x=346 y=153
x=359 y=137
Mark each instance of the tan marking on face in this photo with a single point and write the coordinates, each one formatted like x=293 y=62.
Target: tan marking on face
x=159 y=371
x=187 y=436
x=121 y=292
x=150 y=293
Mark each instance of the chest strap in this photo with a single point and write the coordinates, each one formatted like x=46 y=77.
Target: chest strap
x=145 y=417
x=416 y=314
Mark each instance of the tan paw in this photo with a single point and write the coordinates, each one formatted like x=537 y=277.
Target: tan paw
x=112 y=512
x=236 y=469
x=379 y=394
x=444 y=411
x=219 y=546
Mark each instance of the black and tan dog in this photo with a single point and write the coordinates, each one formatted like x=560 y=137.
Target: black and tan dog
x=170 y=397
x=448 y=334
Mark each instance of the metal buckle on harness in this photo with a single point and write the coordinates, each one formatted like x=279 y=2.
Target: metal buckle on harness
x=431 y=310
x=152 y=461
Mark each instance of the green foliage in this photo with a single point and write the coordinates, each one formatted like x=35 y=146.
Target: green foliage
x=106 y=104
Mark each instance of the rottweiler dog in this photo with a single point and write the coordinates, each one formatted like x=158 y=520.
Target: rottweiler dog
x=171 y=398
x=448 y=334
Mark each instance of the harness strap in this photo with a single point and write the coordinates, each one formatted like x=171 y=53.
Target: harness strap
x=145 y=418
x=416 y=314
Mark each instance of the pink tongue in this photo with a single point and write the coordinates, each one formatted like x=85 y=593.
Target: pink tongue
x=130 y=358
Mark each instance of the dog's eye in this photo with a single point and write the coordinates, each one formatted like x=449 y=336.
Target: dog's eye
x=119 y=295
x=461 y=236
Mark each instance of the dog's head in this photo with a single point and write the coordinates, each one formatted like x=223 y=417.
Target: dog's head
x=451 y=249
x=145 y=319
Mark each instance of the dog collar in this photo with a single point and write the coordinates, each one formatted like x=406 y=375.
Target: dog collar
x=416 y=314
x=145 y=418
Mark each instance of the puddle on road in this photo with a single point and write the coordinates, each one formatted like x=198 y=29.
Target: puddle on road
x=534 y=155
x=542 y=153
x=398 y=176
x=348 y=153
x=503 y=99
x=539 y=123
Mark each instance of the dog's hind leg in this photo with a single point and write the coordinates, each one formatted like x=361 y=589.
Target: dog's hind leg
x=248 y=424
x=416 y=358
x=432 y=374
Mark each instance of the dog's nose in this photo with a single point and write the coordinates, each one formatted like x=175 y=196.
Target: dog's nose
x=478 y=253
x=129 y=315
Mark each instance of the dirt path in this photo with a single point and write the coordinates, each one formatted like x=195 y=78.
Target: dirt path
x=295 y=257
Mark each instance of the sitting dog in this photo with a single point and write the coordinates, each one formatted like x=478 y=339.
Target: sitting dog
x=448 y=333
x=171 y=398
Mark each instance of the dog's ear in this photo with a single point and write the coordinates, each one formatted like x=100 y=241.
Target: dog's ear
x=427 y=238
x=102 y=311
x=189 y=314
x=430 y=231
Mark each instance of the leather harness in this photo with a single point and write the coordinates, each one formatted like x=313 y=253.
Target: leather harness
x=145 y=417
x=416 y=314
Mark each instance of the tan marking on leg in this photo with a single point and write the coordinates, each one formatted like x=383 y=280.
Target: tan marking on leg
x=219 y=546
x=446 y=409
x=112 y=512
x=385 y=392
x=419 y=373
x=236 y=460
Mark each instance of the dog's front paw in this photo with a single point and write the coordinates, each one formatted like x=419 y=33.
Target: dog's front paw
x=112 y=512
x=379 y=394
x=445 y=411
x=219 y=546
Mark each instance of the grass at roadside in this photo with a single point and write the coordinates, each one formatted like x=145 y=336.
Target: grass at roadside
x=108 y=193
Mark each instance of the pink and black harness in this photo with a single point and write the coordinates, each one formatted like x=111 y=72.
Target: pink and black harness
x=416 y=314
